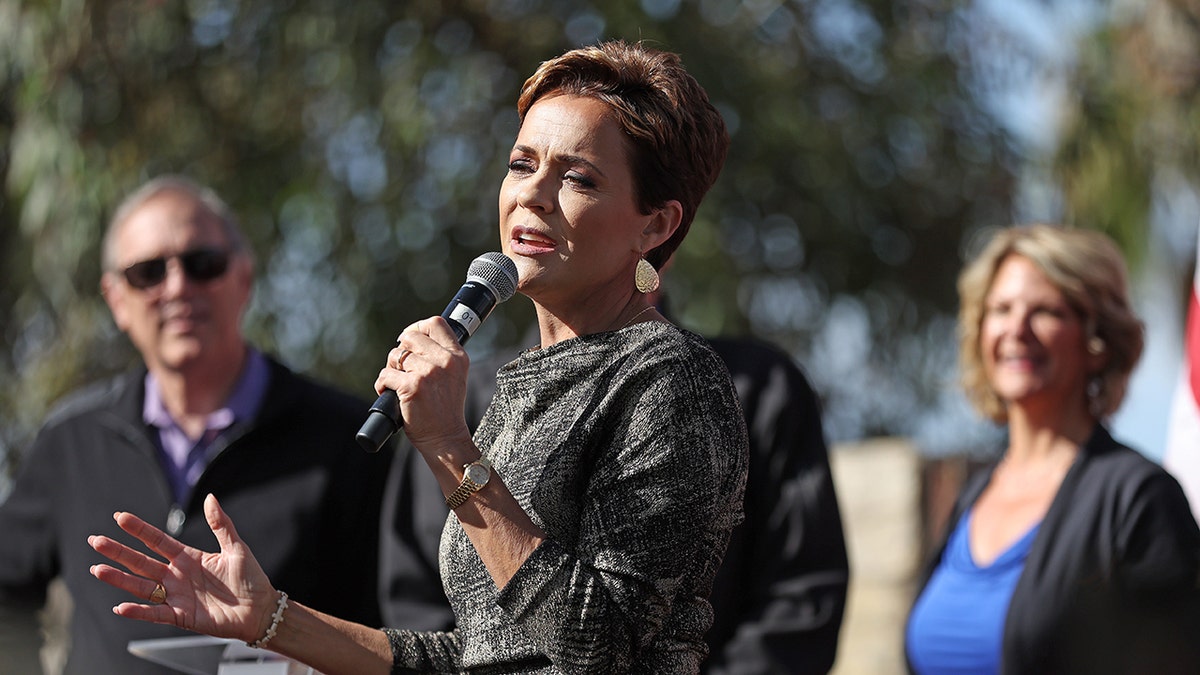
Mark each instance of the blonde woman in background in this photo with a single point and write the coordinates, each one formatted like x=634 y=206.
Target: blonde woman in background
x=1073 y=553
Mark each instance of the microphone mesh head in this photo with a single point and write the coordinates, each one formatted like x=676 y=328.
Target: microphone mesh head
x=497 y=271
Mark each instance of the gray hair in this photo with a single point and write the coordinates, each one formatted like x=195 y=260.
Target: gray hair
x=171 y=183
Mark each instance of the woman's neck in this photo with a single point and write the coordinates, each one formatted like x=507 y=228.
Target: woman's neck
x=1034 y=436
x=556 y=326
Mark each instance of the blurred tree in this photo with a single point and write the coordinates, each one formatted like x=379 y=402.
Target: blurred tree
x=1131 y=141
x=363 y=144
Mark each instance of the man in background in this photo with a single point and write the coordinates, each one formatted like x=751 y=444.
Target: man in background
x=205 y=413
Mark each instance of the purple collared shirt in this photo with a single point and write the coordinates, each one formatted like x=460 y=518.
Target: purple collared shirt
x=183 y=459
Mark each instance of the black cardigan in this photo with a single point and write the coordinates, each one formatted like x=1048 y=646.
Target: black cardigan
x=1110 y=585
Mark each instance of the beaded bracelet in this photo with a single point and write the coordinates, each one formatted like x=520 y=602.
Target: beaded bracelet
x=276 y=619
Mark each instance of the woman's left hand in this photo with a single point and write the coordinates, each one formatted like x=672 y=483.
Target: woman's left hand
x=428 y=371
x=224 y=594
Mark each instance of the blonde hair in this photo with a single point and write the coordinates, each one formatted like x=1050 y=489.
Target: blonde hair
x=1089 y=270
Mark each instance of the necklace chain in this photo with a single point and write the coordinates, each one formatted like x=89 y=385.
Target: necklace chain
x=635 y=316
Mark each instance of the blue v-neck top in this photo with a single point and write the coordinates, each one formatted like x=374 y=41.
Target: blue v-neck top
x=957 y=624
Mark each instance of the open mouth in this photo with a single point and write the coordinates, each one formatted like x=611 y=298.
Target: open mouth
x=528 y=241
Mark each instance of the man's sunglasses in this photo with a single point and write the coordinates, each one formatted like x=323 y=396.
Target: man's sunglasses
x=202 y=264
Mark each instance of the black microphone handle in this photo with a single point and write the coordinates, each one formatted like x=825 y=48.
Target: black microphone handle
x=469 y=307
x=383 y=420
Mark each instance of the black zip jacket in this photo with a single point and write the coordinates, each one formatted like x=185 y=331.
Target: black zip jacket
x=302 y=493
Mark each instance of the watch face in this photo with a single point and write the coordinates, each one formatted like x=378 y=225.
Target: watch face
x=478 y=474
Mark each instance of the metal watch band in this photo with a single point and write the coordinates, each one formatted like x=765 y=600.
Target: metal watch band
x=467 y=487
x=461 y=494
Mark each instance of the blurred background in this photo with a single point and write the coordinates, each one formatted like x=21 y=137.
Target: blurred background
x=363 y=144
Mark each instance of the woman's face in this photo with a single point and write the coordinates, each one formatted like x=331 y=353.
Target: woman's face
x=568 y=215
x=1032 y=342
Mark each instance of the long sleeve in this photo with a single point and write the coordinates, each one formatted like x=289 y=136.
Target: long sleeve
x=28 y=559
x=630 y=453
x=1157 y=559
x=300 y=489
x=780 y=595
x=1110 y=583
x=654 y=509
x=424 y=651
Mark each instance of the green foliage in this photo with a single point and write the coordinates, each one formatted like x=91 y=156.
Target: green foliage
x=1104 y=164
x=1132 y=141
x=362 y=145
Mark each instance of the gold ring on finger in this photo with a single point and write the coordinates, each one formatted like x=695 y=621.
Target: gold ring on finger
x=159 y=595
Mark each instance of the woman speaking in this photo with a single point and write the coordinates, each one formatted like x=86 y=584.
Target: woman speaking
x=593 y=505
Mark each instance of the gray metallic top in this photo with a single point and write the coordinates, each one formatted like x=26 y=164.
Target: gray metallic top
x=628 y=449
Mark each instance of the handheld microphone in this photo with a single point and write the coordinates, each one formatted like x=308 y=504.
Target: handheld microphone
x=491 y=279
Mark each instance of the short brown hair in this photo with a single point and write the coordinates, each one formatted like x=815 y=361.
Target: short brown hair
x=677 y=138
x=1089 y=270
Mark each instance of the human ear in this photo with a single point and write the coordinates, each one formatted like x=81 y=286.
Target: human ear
x=662 y=223
x=1097 y=352
x=115 y=297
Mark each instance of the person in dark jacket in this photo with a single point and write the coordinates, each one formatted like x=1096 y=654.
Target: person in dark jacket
x=1073 y=554
x=206 y=413
x=780 y=593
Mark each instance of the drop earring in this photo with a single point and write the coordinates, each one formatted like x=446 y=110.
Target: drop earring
x=645 y=277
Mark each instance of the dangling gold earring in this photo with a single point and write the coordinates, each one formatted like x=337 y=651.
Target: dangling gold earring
x=645 y=277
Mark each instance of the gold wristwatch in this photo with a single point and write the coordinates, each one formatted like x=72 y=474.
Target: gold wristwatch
x=475 y=476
